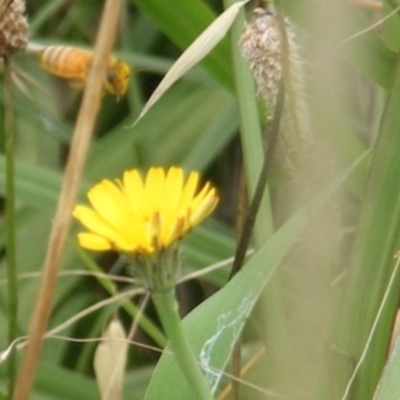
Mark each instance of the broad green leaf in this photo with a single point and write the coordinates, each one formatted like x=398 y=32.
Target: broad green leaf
x=389 y=386
x=215 y=325
x=168 y=135
x=377 y=241
x=54 y=382
x=206 y=245
x=200 y=47
x=182 y=22
x=215 y=136
x=362 y=40
x=368 y=53
x=37 y=186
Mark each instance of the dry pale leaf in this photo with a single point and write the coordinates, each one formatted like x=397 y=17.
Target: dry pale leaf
x=109 y=361
x=203 y=44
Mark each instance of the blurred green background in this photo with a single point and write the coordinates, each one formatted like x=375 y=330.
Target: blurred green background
x=316 y=314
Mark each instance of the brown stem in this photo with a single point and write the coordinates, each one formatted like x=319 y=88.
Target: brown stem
x=79 y=149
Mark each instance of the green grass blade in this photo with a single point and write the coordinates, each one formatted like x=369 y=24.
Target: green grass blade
x=215 y=325
x=389 y=387
x=376 y=243
x=184 y=26
x=369 y=55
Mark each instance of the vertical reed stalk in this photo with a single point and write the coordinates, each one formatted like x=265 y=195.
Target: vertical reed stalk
x=250 y=130
x=259 y=215
x=9 y=125
x=79 y=149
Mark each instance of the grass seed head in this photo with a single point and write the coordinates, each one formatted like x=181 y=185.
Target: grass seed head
x=13 y=27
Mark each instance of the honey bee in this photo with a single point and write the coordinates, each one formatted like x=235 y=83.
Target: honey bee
x=73 y=63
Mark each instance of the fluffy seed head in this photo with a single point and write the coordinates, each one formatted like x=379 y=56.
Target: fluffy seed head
x=13 y=27
x=261 y=46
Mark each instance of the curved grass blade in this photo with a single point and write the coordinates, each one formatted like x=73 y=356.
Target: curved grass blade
x=215 y=325
x=389 y=387
x=195 y=52
x=376 y=242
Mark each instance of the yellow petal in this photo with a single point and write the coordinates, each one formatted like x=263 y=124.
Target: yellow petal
x=92 y=241
x=199 y=196
x=144 y=216
x=204 y=208
x=94 y=222
x=173 y=189
x=134 y=190
x=176 y=230
x=154 y=186
x=97 y=225
x=189 y=190
x=108 y=200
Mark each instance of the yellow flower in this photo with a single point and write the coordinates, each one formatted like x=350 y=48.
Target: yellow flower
x=137 y=216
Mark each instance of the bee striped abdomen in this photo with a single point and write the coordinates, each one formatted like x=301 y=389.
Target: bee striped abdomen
x=67 y=62
x=73 y=63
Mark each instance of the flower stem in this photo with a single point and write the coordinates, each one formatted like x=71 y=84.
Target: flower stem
x=167 y=309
